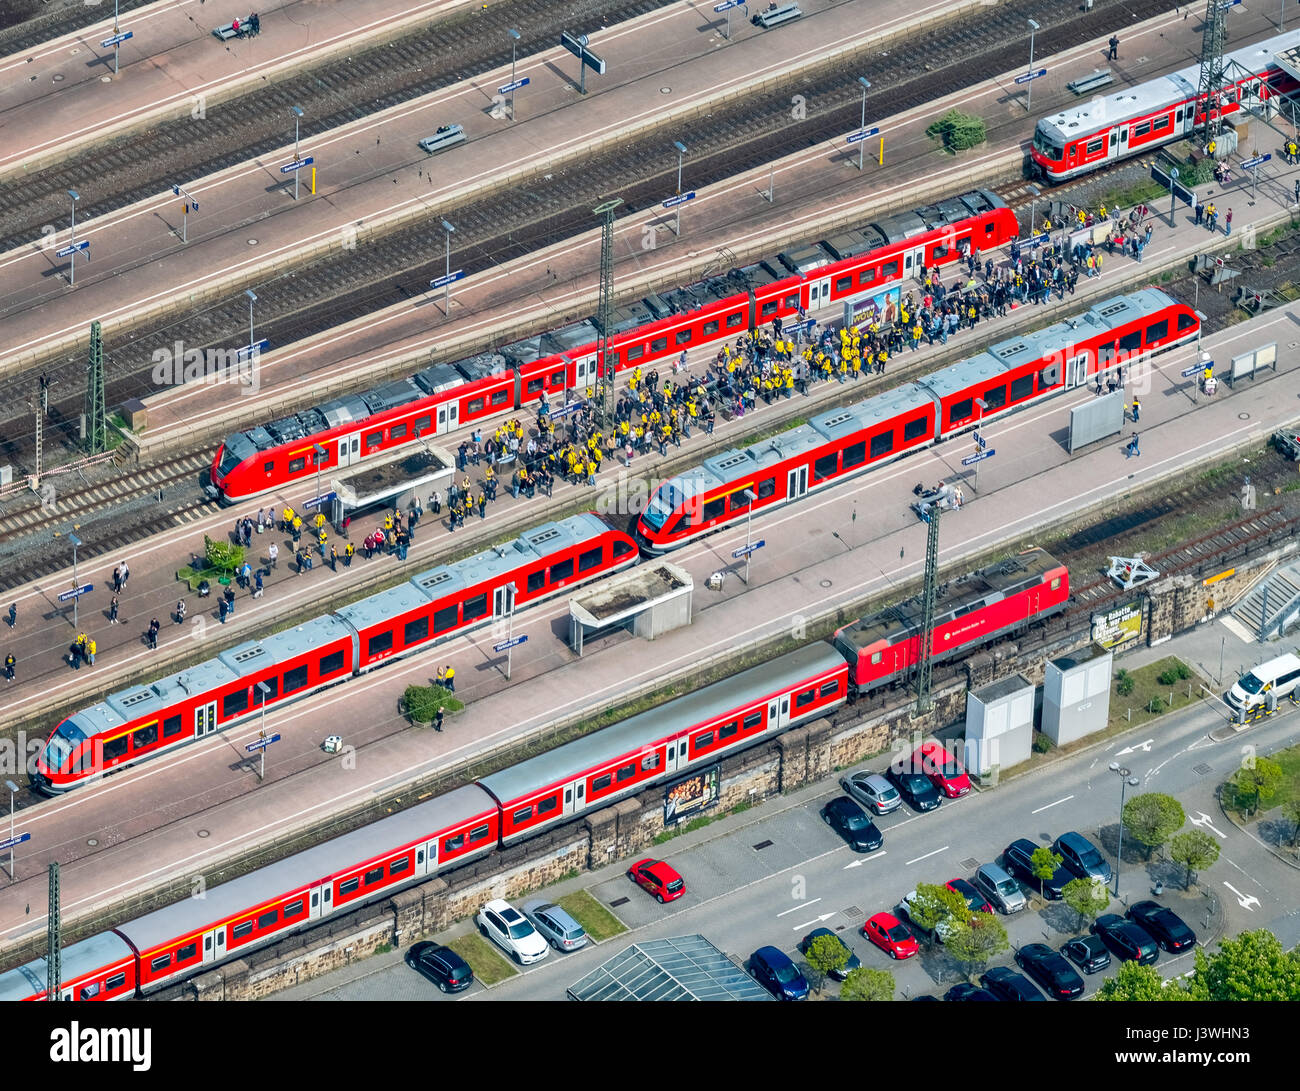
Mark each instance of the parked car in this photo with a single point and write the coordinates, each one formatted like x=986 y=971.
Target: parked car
x=1050 y=970
x=559 y=929
x=941 y=930
x=441 y=965
x=1004 y=983
x=657 y=878
x=851 y=822
x=966 y=991
x=1016 y=860
x=773 y=969
x=1163 y=925
x=873 y=791
x=944 y=770
x=510 y=930
x=1081 y=857
x=1127 y=940
x=1000 y=888
x=853 y=962
x=1088 y=953
x=891 y=935
x=977 y=902
x=914 y=786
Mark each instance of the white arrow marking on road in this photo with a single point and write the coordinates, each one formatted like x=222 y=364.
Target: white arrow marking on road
x=1201 y=743
x=1145 y=747
x=1047 y=805
x=864 y=859
x=795 y=909
x=816 y=920
x=1248 y=901
x=926 y=856
x=1203 y=819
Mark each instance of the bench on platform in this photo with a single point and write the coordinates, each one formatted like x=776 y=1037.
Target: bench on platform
x=1085 y=85
x=225 y=33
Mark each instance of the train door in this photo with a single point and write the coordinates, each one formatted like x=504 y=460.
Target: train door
x=912 y=262
x=349 y=449
x=584 y=373
x=575 y=797
x=447 y=417
x=502 y=601
x=1076 y=374
x=214 y=945
x=778 y=713
x=314 y=903
x=205 y=719
x=819 y=294
x=675 y=758
x=1113 y=150
x=797 y=483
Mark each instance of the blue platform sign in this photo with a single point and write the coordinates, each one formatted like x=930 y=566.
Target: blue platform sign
x=298 y=164
x=1041 y=236
x=68 y=251
x=1031 y=76
x=261 y=744
x=680 y=199
x=861 y=134
x=727 y=4
x=980 y=441
x=450 y=278
x=507 y=88
x=10 y=842
x=746 y=550
x=118 y=39
x=1255 y=161
x=978 y=456
x=77 y=592
x=317 y=501
x=506 y=645
x=246 y=351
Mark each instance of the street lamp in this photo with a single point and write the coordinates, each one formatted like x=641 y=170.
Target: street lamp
x=750 y=497
x=72 y=275
x=1030 y=98
x=320 y=459
x=297 y=115
x=13 y=790
x=514 y=42
x=446 y=299
x=1128 y=781
x=681 y=152
x=510 y=590
x=76 y=584
x=265 y=691
x=981 y=405
x=862 y=144
x=252 y=298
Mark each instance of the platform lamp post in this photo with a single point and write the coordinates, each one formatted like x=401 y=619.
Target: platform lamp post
x=514 y=43
x=681 y=154
x=981 y=405
x=252 y=298
x=446 y=298
x=1029 y=99
x=76 y=584
x=321 y=454
x=1128 y=781
x=510 y=589
x=297 y=116
x=265 y=691
x=13 y=791
x=862 y=144
x=72 y=272
x=750 y=498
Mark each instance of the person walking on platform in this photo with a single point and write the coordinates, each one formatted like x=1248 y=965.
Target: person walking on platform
x=11 y=662
x=437 y=717
x=257 y=586
x=1131 y=451
x=112 y=611
x=13 y=614
x=1114 y=47
x=1137 y=410
x=449 y=678
x=180 y=611
x=348 y=553
x=272 y=554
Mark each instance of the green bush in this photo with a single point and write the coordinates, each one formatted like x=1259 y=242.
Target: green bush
x=1178 y=673
x=1124 y=682
x=1156 y=706
x=1042 y=744
x=958 y=131
x=423 y=702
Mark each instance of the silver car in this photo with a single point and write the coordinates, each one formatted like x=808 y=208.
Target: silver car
x=1000 y=889
x=559 y=929
x=873 y=791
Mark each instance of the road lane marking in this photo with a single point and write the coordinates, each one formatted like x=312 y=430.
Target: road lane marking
x=795 y=909
x=926 y=856
x=1047 y=806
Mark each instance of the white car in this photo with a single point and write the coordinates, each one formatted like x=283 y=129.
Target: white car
x=944 y=928
x=510 y=930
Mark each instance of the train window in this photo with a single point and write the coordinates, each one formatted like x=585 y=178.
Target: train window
x=826 y=466
x=115 y=982
x=791 y=303
x=590 y=559
x=1047 y=378
x=659 y=344
x=416 y=631
x=331 y=664
x=703 y=739
x=399 y=866
x=709 y=328
x=349 y=887
x=1022 y=387
x=844 y=284
x=244 y=928
x=714 y=508
x=739 y=500
x=914 y=429
x=187 y=952
x=534 y=386
x=995 y=397
x=397 y=431
x=1161 y=123
x=829 y=689
x=272 y=687
x=626 y=772
x=374 y=875
x=1056 y=582
x=889 y=269
x=727 y=730
x=866 y=276
x=545 y=806
x=422 y=426
x=635 y=352
x=682 y=337
x=1178 y=115
x=882 y=443
x=650 y=762
x=89 y=992
x=453 y=844
x=474 y=406
x=735 y=319
x=293 y=909
x=1158 y=331
x=144 y=736
x=753 y=720
x=1131 y=342
x=296 y=465
x=374 y=439
x=768 y=309
x=171 y=727
x=295 y=678
x=500 y=397
x=876 y=657
x=601 y=783
x=805 y=698
x=232 y=704
x=615 y=358
x=1142 y=129
x=1186 y=321
x=562 y=571
x=160 y=963
x=115 y=748
x=267 y=919
x=766 y=488
x=855 y=455
x=1123 y=136
x=380 y=643
x=478 y=833
x=474 y=608
x=1094 y=146
x=537 y=580
x=445 y=618
x=960 y=410
x=523 y=814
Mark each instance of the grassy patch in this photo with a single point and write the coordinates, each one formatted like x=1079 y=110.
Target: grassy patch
x=486 y=960
x=1144 y=192
x=1150 y=698
x=598 y=922
x=1289 y=789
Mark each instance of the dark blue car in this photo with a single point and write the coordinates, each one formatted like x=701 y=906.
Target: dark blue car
x=773 y=969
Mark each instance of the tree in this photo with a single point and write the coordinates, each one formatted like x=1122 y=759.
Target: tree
x=932 y=905
x=1134 y=982
x=826 y=955
x=868 y=983
x=1043 y=862
x=1153 y=818
x=1195 y=850
x=222 y=556
x=1087 y=897
x=958 y=131
x=974 y=942
x=1291 y=812
x=1251 y=967
x=1257 y=780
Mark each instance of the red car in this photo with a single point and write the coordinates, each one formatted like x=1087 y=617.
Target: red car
x=891 y=935
x=944 y=771
x=657 y=878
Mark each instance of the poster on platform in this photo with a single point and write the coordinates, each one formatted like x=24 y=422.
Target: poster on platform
x=687 y=797
x=880 y=308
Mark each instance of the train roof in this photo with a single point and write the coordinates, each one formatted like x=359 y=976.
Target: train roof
x=226 y=900
x=962 y=594
x=1146 y=98
x=130 y=704
x=383 y=606
x=837 y=423
x=82 y=957
x=964 y=374
x=255 y=655
x=630 y=735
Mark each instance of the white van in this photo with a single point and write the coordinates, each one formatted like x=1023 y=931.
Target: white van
x=447 y=136
x=1278 y=676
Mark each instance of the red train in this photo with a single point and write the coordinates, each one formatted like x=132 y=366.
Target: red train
x=857 y=264
x=842 y=443
x=139 y=722
x=661 y=746
x=1136 y=120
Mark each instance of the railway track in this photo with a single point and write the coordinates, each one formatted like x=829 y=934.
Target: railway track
x=28 y=23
